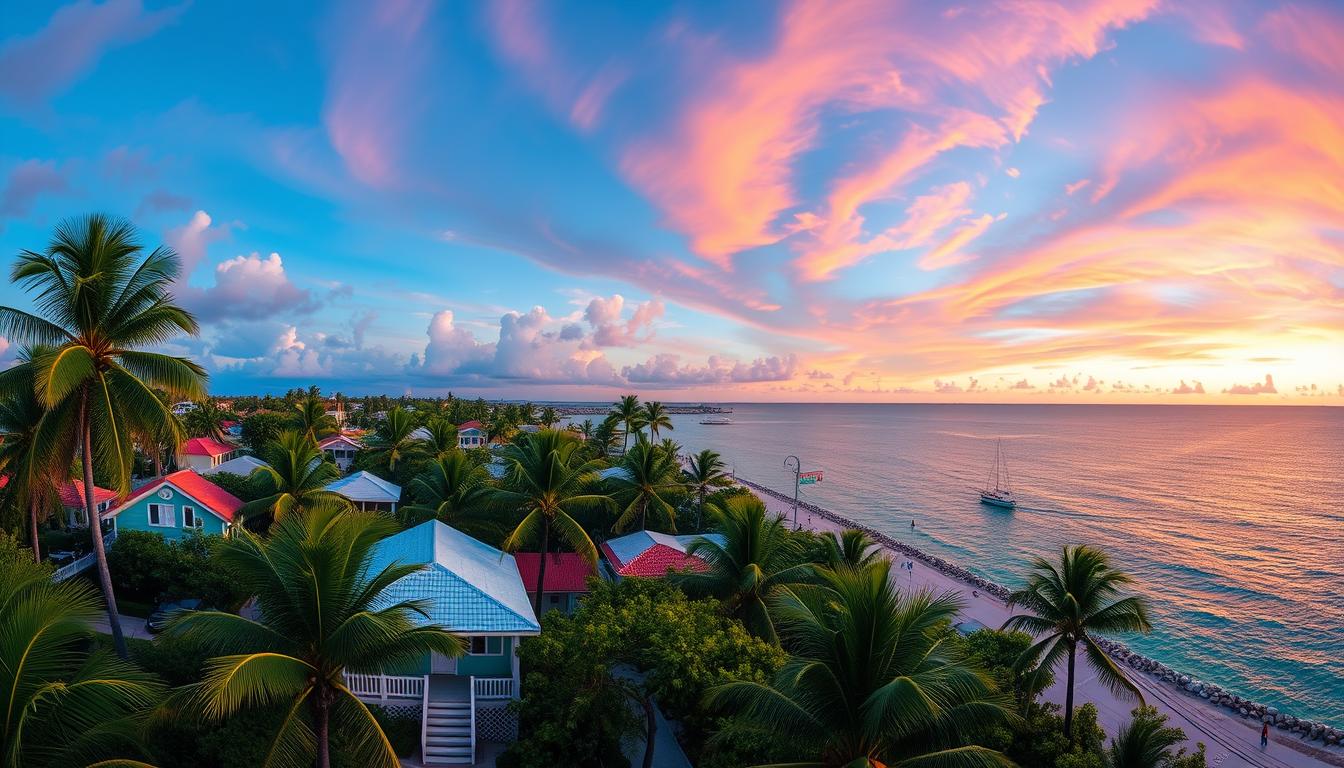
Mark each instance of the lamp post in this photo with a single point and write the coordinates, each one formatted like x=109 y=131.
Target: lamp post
x=797 y=470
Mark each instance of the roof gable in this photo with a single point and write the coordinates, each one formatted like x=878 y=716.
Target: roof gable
x=205 y=446
x=365 y=486
x=206 y=494
x=565 y=571
x=239 y=465
x=72 y=494
x=332 y=440
x=473 y=587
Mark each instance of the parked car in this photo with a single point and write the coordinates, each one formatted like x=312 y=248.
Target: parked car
x=164 y=611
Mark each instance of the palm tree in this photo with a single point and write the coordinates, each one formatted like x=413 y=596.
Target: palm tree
x=321 y=612
x=584 y=430
x=1067 y=604
x=203 y=420
x=393 y=441
x=628 y=413
x=605 y=437
x=97 y=301
x=656 y=418
x=451 y=489
x=705 y=471
x=758 y=563
x=63 y=705
x=649 y=475
x=872 y=681
x=549 y=417
x=1147 y=742
x=313 y=420
x=547 y=481
x=851 y=547
x=442 y=436
x=296 y=480
x=34 y=464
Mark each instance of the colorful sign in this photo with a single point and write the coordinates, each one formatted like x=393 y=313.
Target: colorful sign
x=808 y=478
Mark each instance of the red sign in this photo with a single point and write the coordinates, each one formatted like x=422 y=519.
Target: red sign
x=808 y=478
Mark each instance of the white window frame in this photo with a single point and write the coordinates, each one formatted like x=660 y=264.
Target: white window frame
x=485 y=644
x=193 y=520
x=171 y=515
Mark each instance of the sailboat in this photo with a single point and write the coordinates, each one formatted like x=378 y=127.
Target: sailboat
x=998 y=491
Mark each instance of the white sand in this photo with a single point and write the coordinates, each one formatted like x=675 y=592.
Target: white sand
x=1230 y=741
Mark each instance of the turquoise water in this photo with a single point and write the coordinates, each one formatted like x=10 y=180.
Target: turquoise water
x=1231 y=519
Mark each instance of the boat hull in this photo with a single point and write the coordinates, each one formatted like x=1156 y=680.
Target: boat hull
x=997 y=501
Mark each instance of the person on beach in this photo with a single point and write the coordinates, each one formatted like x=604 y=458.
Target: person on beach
x=1264 y=735
x=912 y=522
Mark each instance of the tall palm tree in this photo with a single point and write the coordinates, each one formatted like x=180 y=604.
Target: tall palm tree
x=203 y=420
x=629 y=414
x=851 y=547
x=295 y=480
x=1068 y=602
x=393 y=442
x=321 y=612
x=549 y=417
x=96 y=301
x=548 y=482
x=758 y=563
x=656 y=418
x=871 y=682
x=34 y=468
x=442 y=436
x=451 y=489
x=63 y=705
x=605 y=437
x=313 y=420
x=585 y=429
x=650 y=475
x=705 y=471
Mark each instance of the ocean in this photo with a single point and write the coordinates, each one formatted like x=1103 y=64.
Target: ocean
x=1230 y=519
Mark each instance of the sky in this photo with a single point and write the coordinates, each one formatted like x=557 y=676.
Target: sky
x=1125 y=201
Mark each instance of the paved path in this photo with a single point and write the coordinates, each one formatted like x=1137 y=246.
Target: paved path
x=1230 y=742
x=131 y=626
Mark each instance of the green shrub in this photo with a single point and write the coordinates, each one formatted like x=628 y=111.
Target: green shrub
x=146 y=567
x=238 y=485
x=401 y=726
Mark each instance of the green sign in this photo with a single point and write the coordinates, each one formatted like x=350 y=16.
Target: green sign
x=809 y=478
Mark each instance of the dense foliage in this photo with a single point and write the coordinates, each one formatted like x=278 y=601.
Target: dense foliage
x=147 y=567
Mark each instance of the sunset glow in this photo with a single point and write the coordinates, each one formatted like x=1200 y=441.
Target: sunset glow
x=1123 y=201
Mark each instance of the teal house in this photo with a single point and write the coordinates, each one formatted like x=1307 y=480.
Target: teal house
x=175 y=505
x=475 y=591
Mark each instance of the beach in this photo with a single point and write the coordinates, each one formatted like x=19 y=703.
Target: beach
x=1230 y=741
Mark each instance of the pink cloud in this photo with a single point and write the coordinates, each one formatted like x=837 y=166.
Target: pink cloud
x=1265 y=387
x=28 y=181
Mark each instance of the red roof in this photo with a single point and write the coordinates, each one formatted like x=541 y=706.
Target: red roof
x=72 y=494
x=205 y=446
x=331 y=440
x=655 y=562
x=565 y=571
x=473 y=424
x=214 y=498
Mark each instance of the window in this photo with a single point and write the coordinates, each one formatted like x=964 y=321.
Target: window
x=486 y=646
x=190 y=519
x=161 y=515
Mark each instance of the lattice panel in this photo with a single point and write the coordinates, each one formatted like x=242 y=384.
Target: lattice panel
x=496 y=723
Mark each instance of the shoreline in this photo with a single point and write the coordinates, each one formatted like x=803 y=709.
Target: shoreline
x=1215 y=699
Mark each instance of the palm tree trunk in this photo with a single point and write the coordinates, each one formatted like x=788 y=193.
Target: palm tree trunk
x=1068 y=698
x=541 y=570
x=322 y=723
x=650 y=730
x=32 y=527
x=158 y=461
x=96 y=526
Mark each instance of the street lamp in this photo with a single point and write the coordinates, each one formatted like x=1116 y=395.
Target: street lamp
x=797 y=470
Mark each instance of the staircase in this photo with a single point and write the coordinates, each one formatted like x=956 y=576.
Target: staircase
x=448 y=733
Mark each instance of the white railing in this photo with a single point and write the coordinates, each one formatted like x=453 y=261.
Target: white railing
x=424 y=717
x=386 y=687
x=79 y=566
x=473 y=720
x=492 y=688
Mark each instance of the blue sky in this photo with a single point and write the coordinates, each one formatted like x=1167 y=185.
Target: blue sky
x=762 y=201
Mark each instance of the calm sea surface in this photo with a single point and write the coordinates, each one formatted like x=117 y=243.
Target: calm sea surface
x=1231 y=519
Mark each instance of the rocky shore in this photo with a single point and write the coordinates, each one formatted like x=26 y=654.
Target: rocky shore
x=1216 y=695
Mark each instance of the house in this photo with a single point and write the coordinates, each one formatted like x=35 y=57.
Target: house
x=341 y=449
x=72 y=500
x=238 y=465
x=649 y=554
x=566 y=578
x=202 y=453
x=368 y=491
x=183 y=407
x=422 y=434
x=175 y=505
x=470 y=435
x=475 y=591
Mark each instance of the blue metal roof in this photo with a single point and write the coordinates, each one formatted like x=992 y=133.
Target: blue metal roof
x=365 y=486
x=473 y=587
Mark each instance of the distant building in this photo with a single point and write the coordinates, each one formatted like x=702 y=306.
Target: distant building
x=238 y=465
x=202 y=453
x=183 y=407
x=175 y=505
x=566 y=578
x=368 y=492
x=72 y=500
x=341 y=449
x=648 y=554
x=470 y=435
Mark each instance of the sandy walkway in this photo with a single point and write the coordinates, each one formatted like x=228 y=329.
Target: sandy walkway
x=1230 y=742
